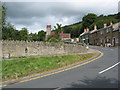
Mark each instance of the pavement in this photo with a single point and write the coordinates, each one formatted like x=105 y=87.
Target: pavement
x=83 y=76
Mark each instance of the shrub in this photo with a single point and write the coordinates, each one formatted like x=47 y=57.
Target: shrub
x=53 y=40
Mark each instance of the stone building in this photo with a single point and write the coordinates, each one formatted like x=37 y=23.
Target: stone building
x=48 y=31
x=107 y=36
x=84 y=37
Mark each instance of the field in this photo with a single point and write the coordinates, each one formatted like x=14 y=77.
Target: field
x=26 y=66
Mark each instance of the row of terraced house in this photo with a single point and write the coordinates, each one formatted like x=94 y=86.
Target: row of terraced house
x=107 y=36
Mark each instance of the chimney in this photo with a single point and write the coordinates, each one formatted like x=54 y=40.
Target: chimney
x=87 y=30
x=105 y=25
x=95 y=27
x=111 y=23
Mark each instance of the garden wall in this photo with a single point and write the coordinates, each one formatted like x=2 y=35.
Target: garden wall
x=25 y=48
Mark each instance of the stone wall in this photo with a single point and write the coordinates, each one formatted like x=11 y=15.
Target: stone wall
x=18 y=48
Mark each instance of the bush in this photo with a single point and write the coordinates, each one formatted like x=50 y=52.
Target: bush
x=53 y=40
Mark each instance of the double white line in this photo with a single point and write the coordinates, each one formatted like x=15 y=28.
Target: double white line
x=109 y=68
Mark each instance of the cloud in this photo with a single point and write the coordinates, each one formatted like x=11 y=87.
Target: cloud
x=119 y=6
x=36 y=15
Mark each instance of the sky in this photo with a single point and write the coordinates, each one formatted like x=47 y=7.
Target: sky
x=36 y=15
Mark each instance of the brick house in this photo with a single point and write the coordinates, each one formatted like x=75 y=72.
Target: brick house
x=107 y=36
x=62 y=36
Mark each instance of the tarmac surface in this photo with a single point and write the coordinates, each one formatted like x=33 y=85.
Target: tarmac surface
x=84 y=76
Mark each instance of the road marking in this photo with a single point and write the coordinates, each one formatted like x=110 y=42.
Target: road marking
x=109 y=68
x=52 y=73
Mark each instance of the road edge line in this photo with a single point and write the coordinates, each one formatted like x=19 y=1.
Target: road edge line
x=56 y=72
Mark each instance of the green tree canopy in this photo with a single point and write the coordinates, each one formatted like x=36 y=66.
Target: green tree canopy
x=88 y=19
x=58 y=28
x=24 y=34
x=41 y=35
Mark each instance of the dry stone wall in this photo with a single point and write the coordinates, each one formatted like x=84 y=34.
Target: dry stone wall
x=25 y=48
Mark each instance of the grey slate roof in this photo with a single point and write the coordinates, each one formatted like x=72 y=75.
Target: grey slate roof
x=93 y=31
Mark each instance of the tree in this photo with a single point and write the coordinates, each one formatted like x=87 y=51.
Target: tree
x=4 y=14
x=35 y=37
x=88 y=19
x=41 y=35
x=118 y=16
x=3 y=17
x=53 y=40
x=24 y=34
x=10 y=33
x=58 y=28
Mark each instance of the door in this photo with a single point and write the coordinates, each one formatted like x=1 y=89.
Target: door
x=114 y=41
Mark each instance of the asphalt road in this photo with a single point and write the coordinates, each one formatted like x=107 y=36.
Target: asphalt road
x=86 y=76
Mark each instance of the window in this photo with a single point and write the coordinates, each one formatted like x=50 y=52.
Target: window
x=96 y=33
x=108 y=30
x=117 y=41
x=101 y=40
x=101 y=32
x=90 y=41
x=107 y=39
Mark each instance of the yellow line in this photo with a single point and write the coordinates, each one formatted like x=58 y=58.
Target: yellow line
x=58 y=71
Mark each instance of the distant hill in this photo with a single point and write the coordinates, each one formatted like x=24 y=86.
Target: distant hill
x=76 y=29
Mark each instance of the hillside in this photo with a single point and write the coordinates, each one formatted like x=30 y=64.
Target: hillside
x=76 y=29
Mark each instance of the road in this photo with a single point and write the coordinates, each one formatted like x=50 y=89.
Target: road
x=85 y=76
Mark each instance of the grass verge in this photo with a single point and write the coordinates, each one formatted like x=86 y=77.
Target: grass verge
x=18 y=68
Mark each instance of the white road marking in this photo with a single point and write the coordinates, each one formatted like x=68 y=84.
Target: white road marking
x=109 y=68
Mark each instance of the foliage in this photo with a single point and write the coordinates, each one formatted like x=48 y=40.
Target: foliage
x=9 y=32
x=74 y=29
x=53 y=40
x=21 y=67
x=23 y=34
x=89 y=21
x=26 y=50
x=4 y=14
x=41 y=35
x=58 y=28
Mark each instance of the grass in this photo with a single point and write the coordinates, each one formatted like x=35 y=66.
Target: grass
x=21 y=67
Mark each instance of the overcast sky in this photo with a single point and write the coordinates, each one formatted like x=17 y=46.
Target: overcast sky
x=36 y=15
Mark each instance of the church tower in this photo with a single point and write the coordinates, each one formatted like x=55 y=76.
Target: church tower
x=48 y=31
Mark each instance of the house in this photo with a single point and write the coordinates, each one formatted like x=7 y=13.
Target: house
x=84 y=37
x=107 y=36
x=62 y=36
x=116 y=35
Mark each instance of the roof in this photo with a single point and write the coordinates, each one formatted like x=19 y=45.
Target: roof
x=93 y=31
x=48 y=26
x=115 y=26
x=52 y=33
x=100 y=29
x=84 y=33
